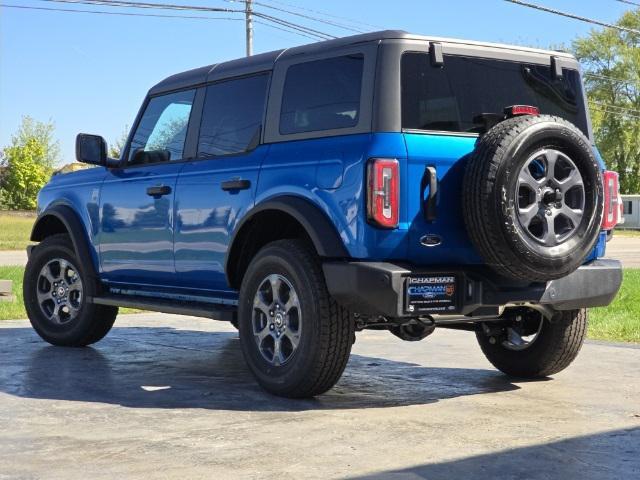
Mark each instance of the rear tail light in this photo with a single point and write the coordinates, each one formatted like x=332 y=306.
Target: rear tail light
x=383 y=192
x=517 y=110
x=611 y=213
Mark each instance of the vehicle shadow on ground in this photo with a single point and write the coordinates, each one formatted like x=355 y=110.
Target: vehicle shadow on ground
x=148 y=367
x=610 y=455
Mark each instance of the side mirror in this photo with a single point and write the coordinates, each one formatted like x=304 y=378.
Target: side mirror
x=91 y=149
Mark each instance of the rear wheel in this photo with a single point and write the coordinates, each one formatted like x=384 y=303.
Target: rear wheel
x=531 y=346
x=295 y=338
x=55 y=290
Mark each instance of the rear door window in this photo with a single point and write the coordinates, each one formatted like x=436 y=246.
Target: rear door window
x=450 y=98
x=232 y=116
x=322 y=95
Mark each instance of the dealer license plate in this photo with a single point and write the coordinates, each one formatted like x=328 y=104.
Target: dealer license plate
x=431 y=294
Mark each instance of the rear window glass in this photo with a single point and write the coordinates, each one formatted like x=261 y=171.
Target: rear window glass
x=322 y=95
x=448 y=98
x=232 y=116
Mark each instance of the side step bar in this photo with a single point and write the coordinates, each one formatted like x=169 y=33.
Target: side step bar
x=194 y=309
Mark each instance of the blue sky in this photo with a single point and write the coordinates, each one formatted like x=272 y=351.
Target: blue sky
x=89 y=73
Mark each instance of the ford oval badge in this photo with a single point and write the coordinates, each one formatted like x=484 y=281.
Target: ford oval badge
x=431 y=240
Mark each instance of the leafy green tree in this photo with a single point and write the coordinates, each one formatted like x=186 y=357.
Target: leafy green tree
x=27 y=164
x=611 y=67
x=115 y=148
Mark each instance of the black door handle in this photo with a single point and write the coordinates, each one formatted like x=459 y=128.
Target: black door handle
x=158 y=191
x=430 y=178
x=235 y=185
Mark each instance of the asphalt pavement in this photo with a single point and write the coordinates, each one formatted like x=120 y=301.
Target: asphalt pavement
x=625 y=249
x=169 y=397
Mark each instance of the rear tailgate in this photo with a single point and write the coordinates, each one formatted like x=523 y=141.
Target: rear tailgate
x=444 y=109
x=442 y=240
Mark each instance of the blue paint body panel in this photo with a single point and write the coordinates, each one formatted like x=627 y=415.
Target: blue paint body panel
x=81 y=192
x=177 y=244
x=447 y=154
x=207 y=216
x=136 y=230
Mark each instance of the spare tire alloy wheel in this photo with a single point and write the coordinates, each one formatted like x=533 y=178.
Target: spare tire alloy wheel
x=532 y=198
x=276 y=320
x=551 y=197
x=59 y=291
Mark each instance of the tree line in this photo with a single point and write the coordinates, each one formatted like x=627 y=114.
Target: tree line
x=610 y=61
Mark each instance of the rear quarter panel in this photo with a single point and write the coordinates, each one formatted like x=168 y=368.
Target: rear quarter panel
x=330 y=173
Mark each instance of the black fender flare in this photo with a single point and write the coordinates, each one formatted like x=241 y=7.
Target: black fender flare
x=322 y=232
x=73 y=225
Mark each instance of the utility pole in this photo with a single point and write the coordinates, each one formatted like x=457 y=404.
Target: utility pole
x=249 y=25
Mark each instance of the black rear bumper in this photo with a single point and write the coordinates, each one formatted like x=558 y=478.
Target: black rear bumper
x=378 y=288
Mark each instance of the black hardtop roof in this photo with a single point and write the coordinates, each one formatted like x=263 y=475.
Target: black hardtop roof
x=266 y=61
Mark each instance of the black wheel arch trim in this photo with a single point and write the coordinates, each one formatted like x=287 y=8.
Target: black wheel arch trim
x=72 y=223
x=316 y=223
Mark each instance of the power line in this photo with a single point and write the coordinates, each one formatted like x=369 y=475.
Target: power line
x=621 y=109
x=575 y=17
x=311 y=31
x=302 y=15
x=629 y=2
x=161 y=6
x=613 y=79
x=610 y=112
x=266 y=24
x=316 y=34
x=156 y=15
x=326 y=14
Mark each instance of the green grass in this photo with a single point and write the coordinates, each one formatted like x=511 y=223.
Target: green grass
x=15 y=229
x=627 y=233
x=15 y=309
x=620 y=321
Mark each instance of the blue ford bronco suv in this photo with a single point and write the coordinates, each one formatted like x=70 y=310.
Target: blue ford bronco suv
x=380 y=181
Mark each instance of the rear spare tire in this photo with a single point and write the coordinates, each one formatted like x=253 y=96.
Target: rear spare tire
x=532 y=192
x=535 y=347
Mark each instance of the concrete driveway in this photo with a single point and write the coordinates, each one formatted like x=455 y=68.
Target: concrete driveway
x=169 y=397
x=13 y=258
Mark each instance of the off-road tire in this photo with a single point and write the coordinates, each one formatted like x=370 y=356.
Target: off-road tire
x=556 y=346
x=91 y=324
x=490 y=198
x=327 y=328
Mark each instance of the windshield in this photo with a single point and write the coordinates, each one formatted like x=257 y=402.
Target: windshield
x=454 y=97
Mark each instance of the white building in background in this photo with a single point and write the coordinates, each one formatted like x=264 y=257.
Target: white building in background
x=631 y=204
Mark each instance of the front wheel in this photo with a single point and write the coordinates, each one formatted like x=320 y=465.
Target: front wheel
x=56 y=287
x=531 y=346
x=295 y=338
